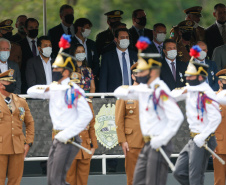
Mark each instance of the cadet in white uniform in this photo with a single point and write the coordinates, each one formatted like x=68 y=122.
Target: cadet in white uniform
x=203 y=117
x=160 y=118
x=70 y=114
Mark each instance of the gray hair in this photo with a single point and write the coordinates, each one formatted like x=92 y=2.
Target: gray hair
x=5 y=40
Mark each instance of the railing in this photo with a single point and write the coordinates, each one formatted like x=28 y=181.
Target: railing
x=104 y=158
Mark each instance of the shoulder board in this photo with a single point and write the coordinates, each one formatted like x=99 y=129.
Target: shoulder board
x=20 y=97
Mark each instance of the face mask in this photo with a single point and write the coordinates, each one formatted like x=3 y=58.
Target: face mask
x=113 y=23
x=161 y=37
x=69 y=18
x=80 y=56
x=143 y=79
x=10 y=88
x=33 y=33
x=196 y=25
x=142 y=21
x=186 y=36
x=202 y=55
x=4 y=55
x=221 y=22
x=57 y=75
x=224 y=86
x=193 y=82
x=172 y=54
x=7 y=35
x=124 y=43
x=86 y=33
x=21 y=29
x=47 y=51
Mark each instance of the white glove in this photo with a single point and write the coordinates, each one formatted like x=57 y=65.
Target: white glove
x=156 y=143
x=60 y=137
x=199 y=140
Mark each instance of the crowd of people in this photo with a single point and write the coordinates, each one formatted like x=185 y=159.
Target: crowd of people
x=107 y=65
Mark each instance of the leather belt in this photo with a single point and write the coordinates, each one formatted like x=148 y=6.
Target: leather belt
x=146 y=139
x=193 y=134
x=55 y=132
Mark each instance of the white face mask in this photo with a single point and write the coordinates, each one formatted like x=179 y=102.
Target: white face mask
x=47 y=51
x=196 y=25
x=4 y=55
x=86 y=33
x=202 y=55
x=124 y=43
x=172 y=54
x=80 y=56
x=161 y=37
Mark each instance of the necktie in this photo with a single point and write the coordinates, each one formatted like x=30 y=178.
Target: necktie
x=224 y=33
x=141 y=33
x=173 y=70
x=69 y=31
x=160 y=49
x=125 y=70
x=34 y=48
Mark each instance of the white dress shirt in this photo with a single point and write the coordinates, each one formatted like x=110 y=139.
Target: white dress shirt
x=119 y=52
x=3 y=66
x=220 y=27
x=170 y=65
x=70 y=120
x=30 y=44
x=166 y=121
x=48 y=70
x=84 y=44
x=65 y=28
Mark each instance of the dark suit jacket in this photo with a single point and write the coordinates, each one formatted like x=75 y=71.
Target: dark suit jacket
x=213 y=39
x=110 y=71
x=35 y=73
x=152 y=49
x=93 y=60
x=212 y=78
x=26 y=54
x=134 y=36
x=16 y=76
x=167 y=76
x=55 y=34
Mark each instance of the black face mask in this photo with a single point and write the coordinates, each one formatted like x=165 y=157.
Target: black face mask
x=33 y=33
x=7 y=35
x=57 y=75
x=224 y=86
x=142 y=21
x=220 y=22
x=69 y=18
x=21 y=30
x=143 y=79
x=186 y=36
x=193 y=82
x=10 y=88
x=113 y=23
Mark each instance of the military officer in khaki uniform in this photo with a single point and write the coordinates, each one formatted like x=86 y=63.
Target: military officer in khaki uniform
x=128 y=130
x=193 y=14
x=14 y=146
x=185 y=43
x=219 y=169
x=6 y=32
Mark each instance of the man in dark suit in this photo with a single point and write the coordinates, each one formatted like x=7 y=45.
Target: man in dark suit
x=115 y=64
x=106 y=37
x=216 y=33
x=172 y=70
x=82 y=30
x=66 y=26
x=29 y=48
x=212 y=79
x=138 y=29
x=6 y=64
x=39 y=68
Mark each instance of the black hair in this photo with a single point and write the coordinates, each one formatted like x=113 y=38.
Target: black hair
x=30 y=20
x=20 y=17
x=157 y=25
x=219 y=5
x=82 y=22
x=40 y=39
x=134 y=14
x=168 y=41
x=65 y=6
x=120 y=29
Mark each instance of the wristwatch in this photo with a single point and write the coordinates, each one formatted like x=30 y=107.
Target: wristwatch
x=30 y=144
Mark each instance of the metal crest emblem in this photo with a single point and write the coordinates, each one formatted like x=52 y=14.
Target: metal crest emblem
x=105 y=126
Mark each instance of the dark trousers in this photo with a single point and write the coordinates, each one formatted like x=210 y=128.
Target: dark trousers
x=192 y=162
x=151 y=167
x=60 y=159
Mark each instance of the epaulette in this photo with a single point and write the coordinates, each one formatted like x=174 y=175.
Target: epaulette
x=179 y=88
x=54 y=82
x=40 y=88
x=20 y=97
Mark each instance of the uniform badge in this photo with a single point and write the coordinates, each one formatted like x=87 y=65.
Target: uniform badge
x=105 y=126
x=181 y=77
x=22 y=113
x=8 y=22
x=180 y=54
